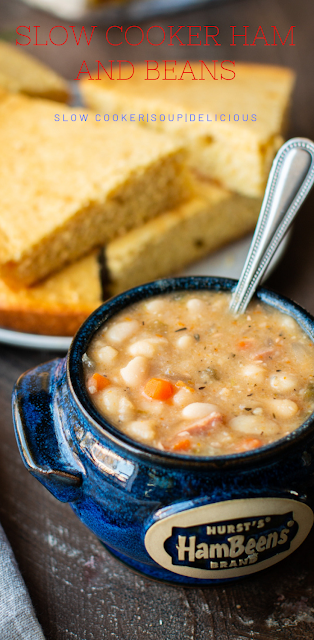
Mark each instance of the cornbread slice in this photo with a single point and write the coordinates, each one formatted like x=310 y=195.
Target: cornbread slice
x=237 y=153
x=69 y=186
x=57 y=306
x=20 y=72
x=161 y=247
x=173 y=240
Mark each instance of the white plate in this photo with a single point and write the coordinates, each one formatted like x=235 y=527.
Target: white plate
x=227 y=262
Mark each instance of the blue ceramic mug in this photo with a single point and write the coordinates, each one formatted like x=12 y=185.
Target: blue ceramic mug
x=179 y=518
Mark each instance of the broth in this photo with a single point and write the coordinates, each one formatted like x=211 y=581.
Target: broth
x=180 y=373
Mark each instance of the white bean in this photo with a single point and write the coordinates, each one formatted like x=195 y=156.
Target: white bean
x=196 y=306
x=142 y=348
x=283 y=383
x=146 y=347
x=224 y=392
x=182 y=397
x=252 y=371
x=105 y=355
x=288 y=323
x=284 y=409
x=152 y=407
x=185 y=342
x=143 y=430
x=155 y=306
x=122 y=330
x=198 y=410
x=91 y=388
x=109 y=399
x=253 y=425
x=135 y=371
x=126 y=409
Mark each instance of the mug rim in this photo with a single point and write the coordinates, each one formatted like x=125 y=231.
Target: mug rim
x=108 y=309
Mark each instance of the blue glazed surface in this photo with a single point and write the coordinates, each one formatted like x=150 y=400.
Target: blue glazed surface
x=115 y=485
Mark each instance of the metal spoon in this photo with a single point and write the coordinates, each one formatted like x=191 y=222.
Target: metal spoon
x=290 y=180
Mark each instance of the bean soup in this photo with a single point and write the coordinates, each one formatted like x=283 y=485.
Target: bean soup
x=180 y=373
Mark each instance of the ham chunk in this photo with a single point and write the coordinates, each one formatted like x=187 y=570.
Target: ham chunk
x=203 y=425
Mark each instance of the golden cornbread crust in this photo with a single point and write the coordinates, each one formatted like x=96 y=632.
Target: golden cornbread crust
x=237 y=153
x=57 y=306
x=68 y=187
x=45 y=321
x=20 y=72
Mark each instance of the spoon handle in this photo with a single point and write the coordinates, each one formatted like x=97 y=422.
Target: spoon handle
x=290 y=180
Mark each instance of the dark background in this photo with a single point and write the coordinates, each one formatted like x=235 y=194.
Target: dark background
x=78 y=590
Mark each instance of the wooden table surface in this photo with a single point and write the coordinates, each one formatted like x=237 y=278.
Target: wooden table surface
x=79 y=591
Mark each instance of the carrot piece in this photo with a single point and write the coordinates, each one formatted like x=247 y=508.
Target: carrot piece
x=159 y=389
x=97 y=382
x=181 y=445
x=248 y=444
x=245 y=344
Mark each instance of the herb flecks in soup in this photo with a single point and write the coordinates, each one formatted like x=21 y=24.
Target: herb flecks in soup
x=180 y=373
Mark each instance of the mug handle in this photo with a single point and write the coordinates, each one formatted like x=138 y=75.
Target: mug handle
x=41 y=440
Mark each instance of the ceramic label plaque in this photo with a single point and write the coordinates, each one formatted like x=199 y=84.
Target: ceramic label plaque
x=228 y=539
